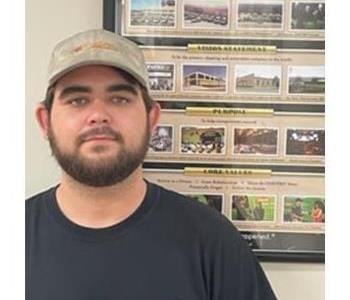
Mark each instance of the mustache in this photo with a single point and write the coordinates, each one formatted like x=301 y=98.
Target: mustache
x=107 y=131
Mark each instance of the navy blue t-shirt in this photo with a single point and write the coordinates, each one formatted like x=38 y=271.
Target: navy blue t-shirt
x=170 y=248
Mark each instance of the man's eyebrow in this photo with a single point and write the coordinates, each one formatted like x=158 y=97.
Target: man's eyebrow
x=122 y=87
x=74 y=89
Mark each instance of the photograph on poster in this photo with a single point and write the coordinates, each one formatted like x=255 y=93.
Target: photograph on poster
x=305 y=142
x=162 y=139
x=308 y=15
x=199 y=78
x=205 y=14
x=161 y=76
x=306 y=209
x=154 y=13
x=261 y=141
x=257 y=79
x=306 y=80
x=203 y=140
x=253 y=208
x=267 y=15
x=213 y=200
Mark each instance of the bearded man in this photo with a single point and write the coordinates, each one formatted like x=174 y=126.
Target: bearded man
x=104 y=232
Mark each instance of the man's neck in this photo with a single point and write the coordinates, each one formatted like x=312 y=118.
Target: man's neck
x=99 y=207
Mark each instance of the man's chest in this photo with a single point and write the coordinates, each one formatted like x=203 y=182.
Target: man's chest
x=125 y=271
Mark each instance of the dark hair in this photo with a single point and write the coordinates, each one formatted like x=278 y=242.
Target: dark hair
x=320 y=205
x=147 y=99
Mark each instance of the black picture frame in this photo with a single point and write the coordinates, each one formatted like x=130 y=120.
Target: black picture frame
x=292 y=248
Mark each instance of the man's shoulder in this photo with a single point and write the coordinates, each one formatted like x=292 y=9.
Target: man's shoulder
x=37 y=201
x=175 y=200
x=195 y=214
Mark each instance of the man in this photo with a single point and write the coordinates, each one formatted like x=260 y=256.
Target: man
x=297 y=211
x=241 y=204
x=104 y=232
x=259 y=211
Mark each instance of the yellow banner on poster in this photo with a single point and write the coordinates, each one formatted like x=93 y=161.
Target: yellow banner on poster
x=216 y=48
x=193 y=171
x=228 y=112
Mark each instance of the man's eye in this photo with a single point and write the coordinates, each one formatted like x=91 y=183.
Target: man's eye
x=77 y=101
x=120 y=100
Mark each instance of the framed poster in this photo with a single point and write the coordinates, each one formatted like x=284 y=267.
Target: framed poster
x=241 y=84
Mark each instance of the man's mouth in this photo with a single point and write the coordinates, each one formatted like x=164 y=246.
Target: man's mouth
x=99 y=138
x=102 y=134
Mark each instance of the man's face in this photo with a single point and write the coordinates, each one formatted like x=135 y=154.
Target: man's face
x=98 y=128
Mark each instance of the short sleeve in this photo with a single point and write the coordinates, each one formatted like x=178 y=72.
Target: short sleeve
x=235 y=271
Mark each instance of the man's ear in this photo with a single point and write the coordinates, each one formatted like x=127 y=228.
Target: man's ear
x=154 y=116
x=43 y=118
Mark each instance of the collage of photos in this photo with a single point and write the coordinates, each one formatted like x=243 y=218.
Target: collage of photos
x=225 y=18
x=262 y=208
x=238 y=144
x=286 y=202
x=281 y=77
x=264 y=60
x=249 y=79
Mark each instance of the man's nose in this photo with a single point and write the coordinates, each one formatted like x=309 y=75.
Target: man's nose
x=99 y=114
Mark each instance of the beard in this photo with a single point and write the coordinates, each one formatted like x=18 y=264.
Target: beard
x=105 y=171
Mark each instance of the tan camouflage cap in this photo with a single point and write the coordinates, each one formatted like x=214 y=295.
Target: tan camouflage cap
x=97 y=47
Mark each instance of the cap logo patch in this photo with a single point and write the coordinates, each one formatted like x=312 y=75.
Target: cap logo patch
x=95 y=45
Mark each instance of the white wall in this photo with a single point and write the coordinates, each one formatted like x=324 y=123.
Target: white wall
x=48 y=21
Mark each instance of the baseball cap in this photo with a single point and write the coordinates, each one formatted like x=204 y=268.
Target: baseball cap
x=97 y=47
